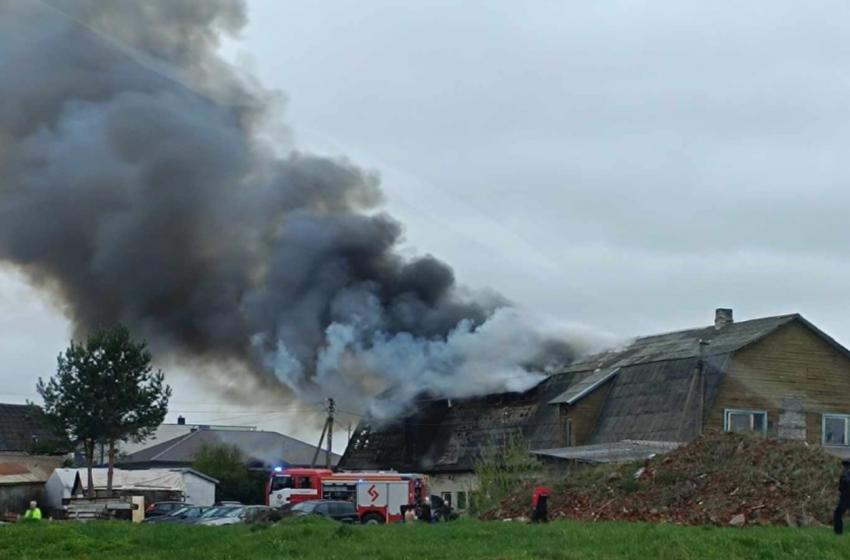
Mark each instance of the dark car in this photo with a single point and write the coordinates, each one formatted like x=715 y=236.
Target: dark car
x=164 y=508
x=184 y=513
x=338 y=510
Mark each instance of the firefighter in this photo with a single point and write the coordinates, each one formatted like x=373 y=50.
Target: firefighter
x=843 y=496
x=539 y=505
x=33 y=513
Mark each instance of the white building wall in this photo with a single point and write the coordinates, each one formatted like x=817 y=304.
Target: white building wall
x=455 y=487
x=199 y=491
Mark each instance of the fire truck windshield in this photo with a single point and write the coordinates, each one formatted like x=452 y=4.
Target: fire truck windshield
x=282 y=482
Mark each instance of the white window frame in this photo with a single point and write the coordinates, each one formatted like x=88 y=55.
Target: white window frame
x=729 y=411
x=846 y=418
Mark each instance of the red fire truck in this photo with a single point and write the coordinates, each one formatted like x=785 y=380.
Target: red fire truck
x=379 y=496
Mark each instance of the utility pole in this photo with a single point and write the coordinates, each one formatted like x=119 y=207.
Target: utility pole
x=331 y=411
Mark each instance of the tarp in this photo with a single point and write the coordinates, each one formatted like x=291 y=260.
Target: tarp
x=150 y=479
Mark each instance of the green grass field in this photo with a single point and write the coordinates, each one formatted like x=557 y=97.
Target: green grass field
x=318 y=539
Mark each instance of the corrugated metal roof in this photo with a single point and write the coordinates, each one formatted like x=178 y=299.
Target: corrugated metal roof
x=618 y=452
x=21 y=468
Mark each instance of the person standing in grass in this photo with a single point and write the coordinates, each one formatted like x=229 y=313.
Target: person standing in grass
x=33 y=513
x=539 y=505
x=844 y=497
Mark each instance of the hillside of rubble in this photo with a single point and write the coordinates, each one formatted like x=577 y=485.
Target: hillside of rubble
x=718 y=479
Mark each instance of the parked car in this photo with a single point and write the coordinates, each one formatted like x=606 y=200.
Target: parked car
x=190 y=512
x=210 y=513
x=240 y=514
x=227 y=503
x=164 y=508
x=338 y=510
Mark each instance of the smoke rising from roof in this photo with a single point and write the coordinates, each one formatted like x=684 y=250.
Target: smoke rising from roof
x=138 y=185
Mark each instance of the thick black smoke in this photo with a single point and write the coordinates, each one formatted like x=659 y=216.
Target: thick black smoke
x=136 y=183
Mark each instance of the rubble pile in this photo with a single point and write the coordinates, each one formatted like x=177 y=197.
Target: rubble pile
x=718 y=479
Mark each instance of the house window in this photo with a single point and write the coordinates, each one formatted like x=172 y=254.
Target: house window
x=461 y=501
x=835 y=427
x=447 y=497
x=745 y=421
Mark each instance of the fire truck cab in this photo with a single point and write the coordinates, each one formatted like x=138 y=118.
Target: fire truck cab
x=379 y=496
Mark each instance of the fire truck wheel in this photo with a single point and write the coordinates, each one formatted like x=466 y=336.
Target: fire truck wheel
x=373 y=519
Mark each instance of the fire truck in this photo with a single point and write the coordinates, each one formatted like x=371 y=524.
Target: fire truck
x=379 y=496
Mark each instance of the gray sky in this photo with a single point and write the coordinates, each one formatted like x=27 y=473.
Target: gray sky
x=625 y=165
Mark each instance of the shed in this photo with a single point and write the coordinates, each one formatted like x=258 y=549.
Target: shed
x=22 y=479
x=156 y=484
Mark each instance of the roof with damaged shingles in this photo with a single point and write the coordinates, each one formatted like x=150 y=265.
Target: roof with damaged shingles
x=269 y=448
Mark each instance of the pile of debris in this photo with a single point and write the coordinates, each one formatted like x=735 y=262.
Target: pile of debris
x=719 y=479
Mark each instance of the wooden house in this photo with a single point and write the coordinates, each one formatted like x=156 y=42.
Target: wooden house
x=776 y=376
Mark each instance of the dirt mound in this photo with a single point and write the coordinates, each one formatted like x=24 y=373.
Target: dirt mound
x=718 y=479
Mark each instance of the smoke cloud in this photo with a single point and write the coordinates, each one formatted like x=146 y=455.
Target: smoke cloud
x=138 y=184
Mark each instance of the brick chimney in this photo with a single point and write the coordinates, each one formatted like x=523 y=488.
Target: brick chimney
x=722 y=317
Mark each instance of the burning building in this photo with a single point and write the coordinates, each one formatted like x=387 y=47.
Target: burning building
x=776 y=376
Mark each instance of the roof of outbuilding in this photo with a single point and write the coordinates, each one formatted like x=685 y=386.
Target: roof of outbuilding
x=21 y=468
x=618 y=452
x=269 y=448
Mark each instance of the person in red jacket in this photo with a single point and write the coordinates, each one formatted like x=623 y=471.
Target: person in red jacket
x=539 y=505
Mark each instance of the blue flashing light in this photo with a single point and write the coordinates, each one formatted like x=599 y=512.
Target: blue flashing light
x=278 y=469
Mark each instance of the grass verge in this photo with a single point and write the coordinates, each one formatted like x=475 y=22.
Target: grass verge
x=324 y=540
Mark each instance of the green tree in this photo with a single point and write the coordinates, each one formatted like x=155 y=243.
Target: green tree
x=106 y=390
x=501 y=468
x=236 y=480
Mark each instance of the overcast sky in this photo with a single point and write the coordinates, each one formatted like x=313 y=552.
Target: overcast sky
x=625 y=165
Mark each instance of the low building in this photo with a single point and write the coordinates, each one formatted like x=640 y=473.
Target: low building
x=29 y=451
x=261 y=449
x=777 y=376
x=22 y=479
x=154 y=484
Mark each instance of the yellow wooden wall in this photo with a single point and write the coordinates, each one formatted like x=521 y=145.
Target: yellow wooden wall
x=793 y=360
x=583 y=415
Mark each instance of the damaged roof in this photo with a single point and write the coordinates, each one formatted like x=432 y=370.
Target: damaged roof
x=447 y=436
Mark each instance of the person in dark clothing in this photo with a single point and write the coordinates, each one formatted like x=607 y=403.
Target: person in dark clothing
x=539 y=505
x=425 y=513
x=843 y=497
